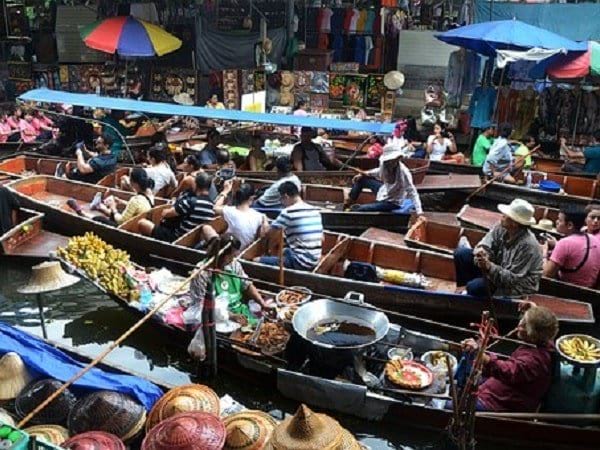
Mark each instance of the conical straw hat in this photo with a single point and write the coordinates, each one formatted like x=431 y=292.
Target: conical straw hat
x=47 y=276
x=248 y=430
x=14 y=376
x=349 y=442
x=307 y=430
x=94 y=440
x=52 y=434
x=6 y=418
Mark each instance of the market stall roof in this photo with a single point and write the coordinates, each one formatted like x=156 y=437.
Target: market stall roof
x=123 y=104
x=487 y=37
x=570 y=66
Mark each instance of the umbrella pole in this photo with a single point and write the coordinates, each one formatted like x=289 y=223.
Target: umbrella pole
x=577 y=116
x=495 y=116
x=40 y=304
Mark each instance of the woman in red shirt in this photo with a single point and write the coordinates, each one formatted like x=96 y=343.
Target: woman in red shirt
x=5 y=129
x=519 y=383
x=13 y=119
x=28 y=133
x=42 y=125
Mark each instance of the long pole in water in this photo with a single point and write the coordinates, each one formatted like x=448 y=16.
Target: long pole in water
x=114 y=345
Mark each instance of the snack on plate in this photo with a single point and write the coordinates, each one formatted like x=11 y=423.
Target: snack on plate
x=272 y=338
x=580 y=348
x=286 y=313
x=408 y=374
x=289 y=297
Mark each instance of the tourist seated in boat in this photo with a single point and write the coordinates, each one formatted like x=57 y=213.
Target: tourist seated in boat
x=189 y=211
x=508 y=260
x=243 y=222
x=189 y=168
x=523 y=158
x=270 y=198
x=6 y=131
x=140 y=203
x=519 y=383
x=159 y=172
x=302 y=226
x=392 y=182
x=257 y=160
x=592 y=220
x=207 y=157
x=499 y=161
x=576 y=257
x=15 y=115
x=308 y=156
x=9 y=207
x=588 y=160
x=111 y=127
x=28 y=133
x=441 y=146
x=483 y=144
x=102 y=161
x=43 y=126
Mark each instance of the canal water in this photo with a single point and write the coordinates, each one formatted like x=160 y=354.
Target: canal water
x=85 y=318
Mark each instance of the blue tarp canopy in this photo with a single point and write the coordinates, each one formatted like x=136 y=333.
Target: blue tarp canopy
x=487 y=37
x=168 y=109
x=45 y=361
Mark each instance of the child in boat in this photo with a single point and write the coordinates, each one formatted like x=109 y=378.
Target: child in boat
x=392 y=182
x=519 y=383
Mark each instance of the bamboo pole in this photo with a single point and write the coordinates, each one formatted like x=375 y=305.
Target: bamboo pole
x=541 y=416
x=281 y=266
x=114 y=345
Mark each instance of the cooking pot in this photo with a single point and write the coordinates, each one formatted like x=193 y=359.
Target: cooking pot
x=318 y=311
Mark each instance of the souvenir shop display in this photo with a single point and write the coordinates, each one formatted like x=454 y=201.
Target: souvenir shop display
x=337 y=87
x=354 y=91
x=375 y=91
x=231 y=89
x=319 y=83
x=86 y=79
x=168 y=82
x=247 y=77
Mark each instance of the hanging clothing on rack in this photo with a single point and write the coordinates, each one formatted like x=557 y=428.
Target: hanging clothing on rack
x=526 y=112
x=482 y=106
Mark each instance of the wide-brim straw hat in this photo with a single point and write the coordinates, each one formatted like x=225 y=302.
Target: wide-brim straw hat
x=545 y=224
x=248 y=430
x=521 y=211
x=6 y=418
x=108 y=411
x=46 y=277
x=307 y=430
x=393 y=80
x=52 y=434
x=186 y=398
x=187 y=431
x=36 y=393
x=94 y=440
x=287 y=80
x=390 y=152
x=14 y=376
x=183 y=99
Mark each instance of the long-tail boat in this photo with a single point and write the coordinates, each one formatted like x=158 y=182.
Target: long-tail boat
x=437 y=297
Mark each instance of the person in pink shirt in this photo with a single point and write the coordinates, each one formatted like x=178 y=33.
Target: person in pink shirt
x=13 y=119
x=28 y=133
x=5 y=129
x=576 y=257
x=592 y=221
x=43 y=125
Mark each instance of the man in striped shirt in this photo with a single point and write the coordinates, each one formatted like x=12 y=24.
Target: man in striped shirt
x=303 y=230
x=189 y=211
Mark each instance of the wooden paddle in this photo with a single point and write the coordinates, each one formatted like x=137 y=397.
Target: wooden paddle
x=205 y=265
x=504 y=172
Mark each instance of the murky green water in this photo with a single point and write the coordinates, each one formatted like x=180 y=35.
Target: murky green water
x=83 y=317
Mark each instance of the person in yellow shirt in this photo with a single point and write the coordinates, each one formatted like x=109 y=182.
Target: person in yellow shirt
x=214 y=103
x=528 y=144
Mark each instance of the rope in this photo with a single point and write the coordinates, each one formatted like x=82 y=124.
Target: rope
x=115 y=344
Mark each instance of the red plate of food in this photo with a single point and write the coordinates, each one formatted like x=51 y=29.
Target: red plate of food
x=408 y=374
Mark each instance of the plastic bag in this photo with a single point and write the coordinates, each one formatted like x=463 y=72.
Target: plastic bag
x=197 y=348
x=192 y=316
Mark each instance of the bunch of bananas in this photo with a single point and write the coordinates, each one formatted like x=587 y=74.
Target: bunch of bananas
x=100 y=261
x=580 y=349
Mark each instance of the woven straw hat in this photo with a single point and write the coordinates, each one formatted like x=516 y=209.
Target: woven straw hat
x=393 y=80
x=187 y=431
x=52 y=434
x=287 y=81
x=6 y=418
x=47 y=276
x=307 y=430
x=521 y=211
x=14 y=376
x=108 y=411
x=94 y=440
x=248 y=430
x=349 y=442
x=186 y=398
x=36 y=393
x=545 y=224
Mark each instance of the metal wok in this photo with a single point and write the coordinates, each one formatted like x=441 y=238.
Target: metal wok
x=317 y=311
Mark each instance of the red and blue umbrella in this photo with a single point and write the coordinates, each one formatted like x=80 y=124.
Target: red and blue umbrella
x=129 y=37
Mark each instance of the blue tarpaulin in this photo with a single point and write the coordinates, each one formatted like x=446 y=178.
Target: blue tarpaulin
x=169 y=109
x=580 y=22
x=45 y=361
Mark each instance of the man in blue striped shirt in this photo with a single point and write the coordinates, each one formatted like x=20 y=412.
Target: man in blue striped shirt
x=303 y=230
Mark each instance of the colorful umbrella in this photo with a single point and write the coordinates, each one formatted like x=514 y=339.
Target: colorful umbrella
x=129 y=37
x=578 y=65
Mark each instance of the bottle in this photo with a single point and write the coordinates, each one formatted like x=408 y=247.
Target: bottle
x=528 y=180
x=145 y=296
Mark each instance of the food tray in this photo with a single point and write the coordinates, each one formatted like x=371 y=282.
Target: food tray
x=573 y=361
x=281 y=294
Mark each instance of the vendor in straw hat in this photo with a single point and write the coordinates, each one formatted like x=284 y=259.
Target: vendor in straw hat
x=391 y=181
x=508 y=259
x=14 y=376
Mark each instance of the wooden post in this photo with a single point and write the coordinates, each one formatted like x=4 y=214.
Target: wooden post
x=281 y=267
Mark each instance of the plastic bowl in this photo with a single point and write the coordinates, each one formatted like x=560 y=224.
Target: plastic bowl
x=428 y=356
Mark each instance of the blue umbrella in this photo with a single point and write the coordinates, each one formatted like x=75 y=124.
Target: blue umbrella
x=487 y=37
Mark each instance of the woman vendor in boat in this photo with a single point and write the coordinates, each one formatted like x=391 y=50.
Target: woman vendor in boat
x=141 y=202
x=102 y=161
x=441 y=146
x=508 y=259
x=392 y=182
x=576 y=257
x=308 y=156
x=519 y=383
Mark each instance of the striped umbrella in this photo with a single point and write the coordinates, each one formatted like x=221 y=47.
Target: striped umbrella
x=129 y=37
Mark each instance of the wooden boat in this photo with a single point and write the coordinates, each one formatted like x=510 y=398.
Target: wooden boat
x=438 y=298
x=296 y=377
x=484 y=219
x=443 y=238
x=552 y=165
x=49 y=196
